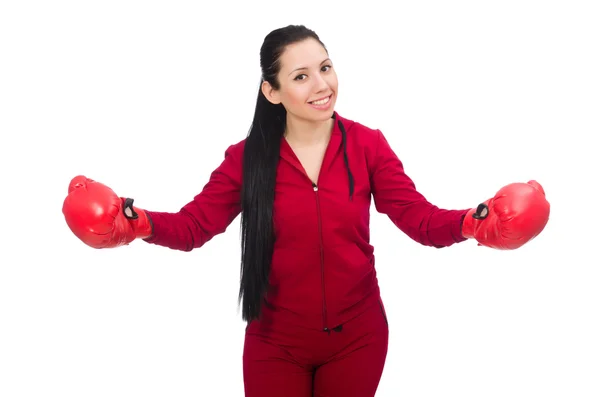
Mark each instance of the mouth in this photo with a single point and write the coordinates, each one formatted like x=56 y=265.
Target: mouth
x=321 y=101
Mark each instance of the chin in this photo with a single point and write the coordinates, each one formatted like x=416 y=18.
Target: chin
x=318 y=119
x=324 y=117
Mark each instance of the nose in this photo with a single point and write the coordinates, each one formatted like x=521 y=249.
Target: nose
x=320 y=84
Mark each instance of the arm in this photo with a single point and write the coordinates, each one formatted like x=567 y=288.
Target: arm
x=395 y=195
x=208 y=214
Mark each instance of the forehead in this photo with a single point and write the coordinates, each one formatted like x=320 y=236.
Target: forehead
x=304 y=54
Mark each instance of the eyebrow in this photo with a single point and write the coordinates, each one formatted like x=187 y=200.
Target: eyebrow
x=304 y=67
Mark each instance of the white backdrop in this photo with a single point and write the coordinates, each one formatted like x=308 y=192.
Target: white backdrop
x=146 y=96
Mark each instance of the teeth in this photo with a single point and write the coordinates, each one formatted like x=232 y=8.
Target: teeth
x=321 y=102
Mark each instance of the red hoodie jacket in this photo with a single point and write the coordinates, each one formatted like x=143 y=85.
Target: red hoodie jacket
x=323 y=269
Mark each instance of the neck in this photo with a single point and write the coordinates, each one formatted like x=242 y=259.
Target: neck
x=306 y=132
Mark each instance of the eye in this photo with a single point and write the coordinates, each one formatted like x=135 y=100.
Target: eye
x=325 y=68
x=299 y=77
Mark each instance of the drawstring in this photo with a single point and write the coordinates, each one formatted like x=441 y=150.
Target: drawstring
x=350 y=177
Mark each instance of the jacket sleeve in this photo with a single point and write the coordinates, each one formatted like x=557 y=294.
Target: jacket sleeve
x=208 y=214
x=395 y=195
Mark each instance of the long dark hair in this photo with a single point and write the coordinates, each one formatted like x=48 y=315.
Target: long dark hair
x=261 y=156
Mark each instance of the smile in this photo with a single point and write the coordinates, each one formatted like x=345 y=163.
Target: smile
x=322 y=101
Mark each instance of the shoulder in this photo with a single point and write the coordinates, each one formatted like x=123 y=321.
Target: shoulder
x=368 y=141
x=357 y=128
x=364 y=137
x=363 y=134
x=231 y=163
x=236 y=150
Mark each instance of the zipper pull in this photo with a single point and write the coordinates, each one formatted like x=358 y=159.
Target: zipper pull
x=315 y=187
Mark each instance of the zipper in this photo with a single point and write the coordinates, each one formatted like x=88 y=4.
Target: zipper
x=316 y=190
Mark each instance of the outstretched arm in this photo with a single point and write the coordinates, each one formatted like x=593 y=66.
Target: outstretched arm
x=102 y=219
x=395 y=195
x=514 y=216
x=208 y=214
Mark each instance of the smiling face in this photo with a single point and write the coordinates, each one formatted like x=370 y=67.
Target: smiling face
x=307 y=82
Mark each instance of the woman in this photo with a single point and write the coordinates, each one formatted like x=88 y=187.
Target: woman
x=303 y=181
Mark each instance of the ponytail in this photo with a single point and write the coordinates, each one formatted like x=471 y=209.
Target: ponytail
x=261 y=156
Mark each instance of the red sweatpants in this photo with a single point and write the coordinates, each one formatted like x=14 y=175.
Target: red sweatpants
x=297 y=362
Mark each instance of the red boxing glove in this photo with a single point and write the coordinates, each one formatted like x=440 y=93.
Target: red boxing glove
x=516 y=215
x=100 y=218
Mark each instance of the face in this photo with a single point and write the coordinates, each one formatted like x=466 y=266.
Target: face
x=307 y=82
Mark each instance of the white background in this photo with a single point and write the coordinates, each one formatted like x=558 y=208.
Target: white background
x=146 y=96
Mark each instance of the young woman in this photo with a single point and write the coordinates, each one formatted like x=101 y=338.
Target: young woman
x=303 y=180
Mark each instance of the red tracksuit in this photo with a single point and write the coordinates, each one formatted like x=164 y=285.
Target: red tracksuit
x=323 y=309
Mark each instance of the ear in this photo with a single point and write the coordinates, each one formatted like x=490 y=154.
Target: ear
x=270 y=93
